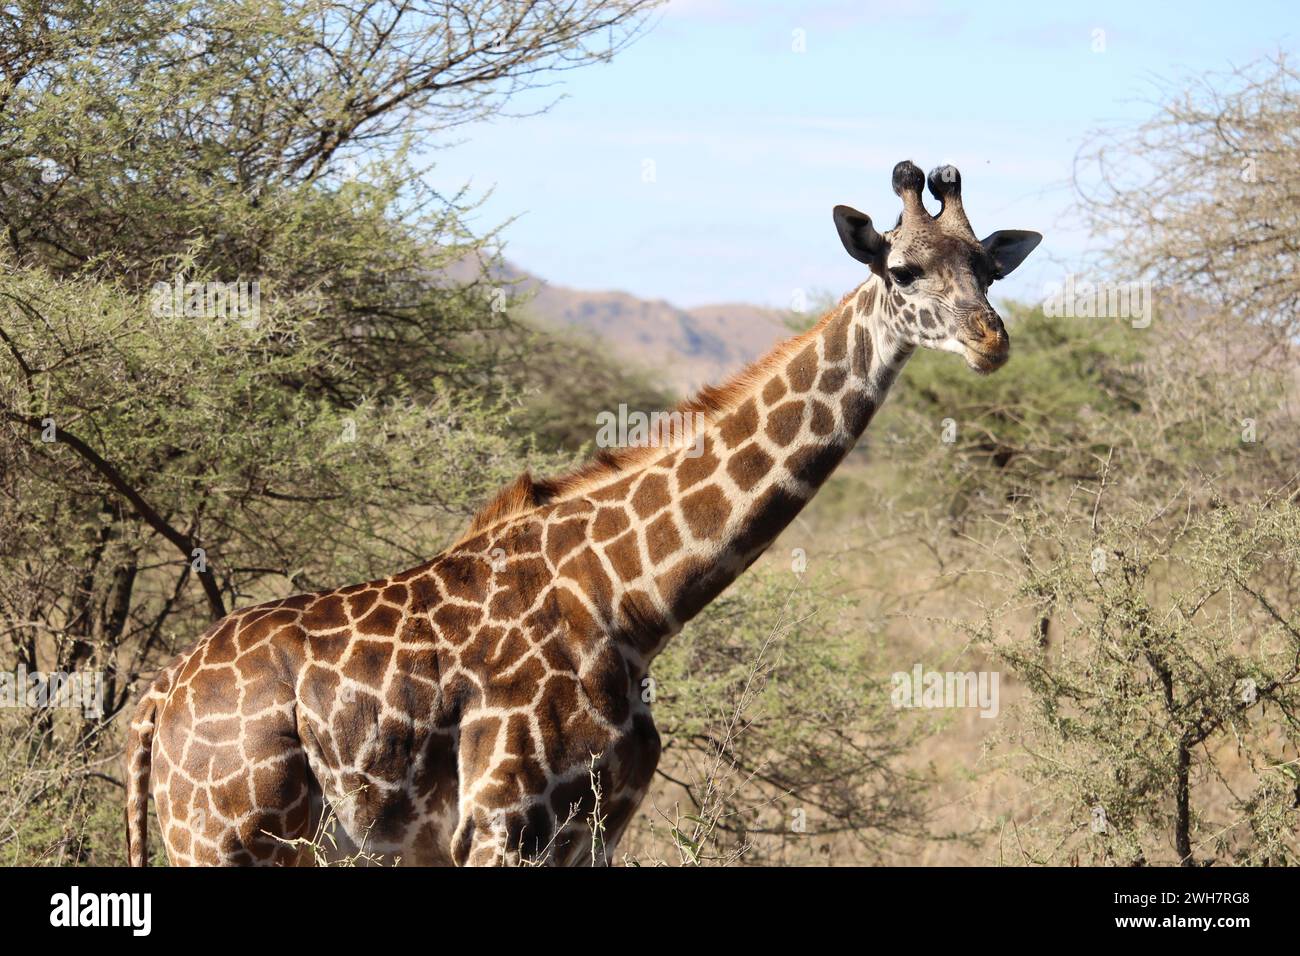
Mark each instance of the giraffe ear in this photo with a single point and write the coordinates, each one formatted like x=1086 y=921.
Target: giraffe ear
x=1009 y=248
x=859 y=236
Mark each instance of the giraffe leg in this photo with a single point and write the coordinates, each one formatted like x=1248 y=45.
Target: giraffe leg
x=487 y=838
x=325 y=842
x=550 y=827
x=546 y=799
x=524 y=834
x=477 y=842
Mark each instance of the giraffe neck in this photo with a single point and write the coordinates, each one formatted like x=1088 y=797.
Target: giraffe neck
x=710 y=510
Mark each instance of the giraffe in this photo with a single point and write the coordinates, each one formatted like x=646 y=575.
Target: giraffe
x=465 y=711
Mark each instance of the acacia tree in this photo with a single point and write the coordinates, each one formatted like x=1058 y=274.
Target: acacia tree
x=163 y=459
x=1162 y=726
x=1203 y=199
x=783 y=745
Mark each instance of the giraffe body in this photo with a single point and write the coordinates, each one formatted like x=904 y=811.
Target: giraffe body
x=460 y=711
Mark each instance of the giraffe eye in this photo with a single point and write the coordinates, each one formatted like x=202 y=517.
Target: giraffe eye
x=903 y=275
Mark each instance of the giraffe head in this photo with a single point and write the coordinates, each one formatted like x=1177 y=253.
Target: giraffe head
x=935 y=272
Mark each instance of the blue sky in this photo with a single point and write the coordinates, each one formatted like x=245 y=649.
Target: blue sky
x=752 y=142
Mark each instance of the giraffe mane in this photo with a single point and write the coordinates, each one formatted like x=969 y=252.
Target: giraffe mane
x=527 y=494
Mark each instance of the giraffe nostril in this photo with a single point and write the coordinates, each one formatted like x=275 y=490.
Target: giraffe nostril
x=984 y=330
x=994 y=336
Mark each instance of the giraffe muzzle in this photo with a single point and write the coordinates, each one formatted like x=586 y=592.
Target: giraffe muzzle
x=987 y=345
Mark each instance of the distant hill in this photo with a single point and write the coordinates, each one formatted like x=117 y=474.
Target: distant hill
x=690 y=347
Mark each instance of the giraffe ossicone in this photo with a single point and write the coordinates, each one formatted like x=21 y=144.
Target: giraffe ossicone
x=450 y=713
